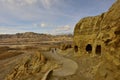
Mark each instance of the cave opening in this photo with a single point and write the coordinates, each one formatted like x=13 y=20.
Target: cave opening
x=98 y=49
x=89 y=48
x=76 y=48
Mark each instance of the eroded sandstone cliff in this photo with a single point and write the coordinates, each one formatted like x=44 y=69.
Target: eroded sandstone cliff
x=100 y=36
x=97 y=31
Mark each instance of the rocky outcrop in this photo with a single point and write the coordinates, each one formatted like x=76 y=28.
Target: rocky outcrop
x=93 y=34
x=100 y=35
x=34 y=66
x=65 y=46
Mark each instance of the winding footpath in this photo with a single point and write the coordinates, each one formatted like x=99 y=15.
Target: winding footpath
x=68 y=66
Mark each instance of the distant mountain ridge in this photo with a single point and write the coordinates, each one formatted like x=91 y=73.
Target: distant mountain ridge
x=33 y=37
x=23 y=35
x=30 y=35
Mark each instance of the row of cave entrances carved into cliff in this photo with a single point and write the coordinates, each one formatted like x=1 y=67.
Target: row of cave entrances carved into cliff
x=89 y=49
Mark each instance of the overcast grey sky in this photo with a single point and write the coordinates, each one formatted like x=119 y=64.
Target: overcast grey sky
x=47 y=16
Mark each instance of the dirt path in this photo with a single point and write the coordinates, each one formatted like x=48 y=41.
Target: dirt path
x=68 y=66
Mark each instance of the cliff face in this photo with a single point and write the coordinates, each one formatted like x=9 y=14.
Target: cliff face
x=100 y=36
x=98 y=31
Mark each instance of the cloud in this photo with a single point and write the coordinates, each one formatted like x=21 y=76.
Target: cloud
x=20 y=2
x=48 y=3
x=30 y=15
x=30 y=1
x=8 y=30
x=29 y=11
x=63 y=28
x=42 y=24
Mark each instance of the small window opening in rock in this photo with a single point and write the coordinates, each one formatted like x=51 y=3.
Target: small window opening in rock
x=89 y=48
x=76 y=48
x=98 y=49
x=107 y=41
x=117 y=32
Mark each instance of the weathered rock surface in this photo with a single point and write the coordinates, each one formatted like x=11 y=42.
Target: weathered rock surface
x=100 y=36
x=65 y=46
x=97 y=31
x=32 y=67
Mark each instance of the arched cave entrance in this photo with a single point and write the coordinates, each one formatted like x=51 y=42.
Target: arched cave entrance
x=76 y=48
x=98 y=49
x=89 y=48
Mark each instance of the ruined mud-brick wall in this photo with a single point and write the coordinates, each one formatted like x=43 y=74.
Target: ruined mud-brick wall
x=93 y=34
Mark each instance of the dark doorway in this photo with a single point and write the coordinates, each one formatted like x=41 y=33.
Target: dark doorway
x=98 y=49
x=76 y=48
x=89 y=48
